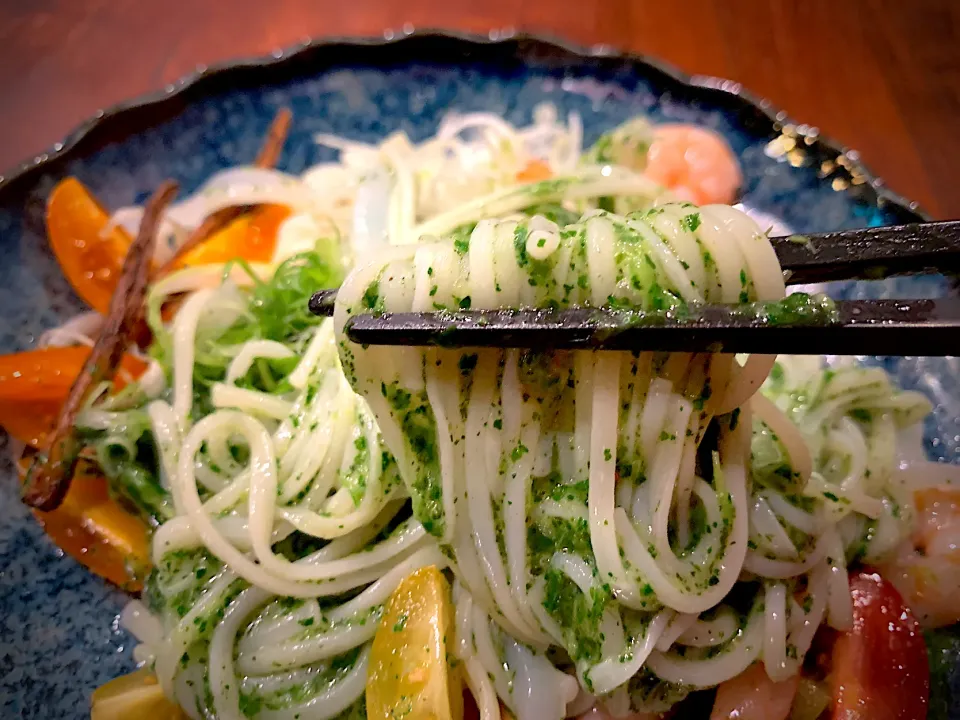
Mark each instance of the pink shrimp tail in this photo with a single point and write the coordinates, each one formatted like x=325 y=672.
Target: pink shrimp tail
x=695 y=163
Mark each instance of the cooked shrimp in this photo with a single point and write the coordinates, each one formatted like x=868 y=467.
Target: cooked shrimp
x=752 y=695
x=695 y=163
x=927 y=569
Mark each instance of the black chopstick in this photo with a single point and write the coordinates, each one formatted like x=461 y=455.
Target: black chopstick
x=864 y=254
x=855 y=327
x=870 y=253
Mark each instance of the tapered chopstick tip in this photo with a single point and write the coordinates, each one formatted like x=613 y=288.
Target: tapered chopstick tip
x=322 y=302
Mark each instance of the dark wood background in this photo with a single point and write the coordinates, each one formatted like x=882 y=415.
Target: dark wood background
x=882 y=76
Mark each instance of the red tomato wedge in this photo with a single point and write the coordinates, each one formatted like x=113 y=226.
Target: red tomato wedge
x=91 y=262
x=34 y=384
x=96 y=531
x=880 y=668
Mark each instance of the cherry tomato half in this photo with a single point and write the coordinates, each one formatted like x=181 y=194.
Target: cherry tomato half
x=880 y=668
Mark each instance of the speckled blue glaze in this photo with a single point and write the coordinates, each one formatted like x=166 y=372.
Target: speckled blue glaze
x=59 y=637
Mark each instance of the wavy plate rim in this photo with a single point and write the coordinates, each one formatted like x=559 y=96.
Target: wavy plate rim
x=22 y=173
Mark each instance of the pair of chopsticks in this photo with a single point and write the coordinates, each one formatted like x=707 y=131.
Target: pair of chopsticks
x=852 y=327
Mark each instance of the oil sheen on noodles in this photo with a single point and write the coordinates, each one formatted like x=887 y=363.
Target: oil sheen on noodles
x=664 y=521
x=248 y=626
x=600 y=502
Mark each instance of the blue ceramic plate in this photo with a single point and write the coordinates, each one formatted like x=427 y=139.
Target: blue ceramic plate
x=59 y=637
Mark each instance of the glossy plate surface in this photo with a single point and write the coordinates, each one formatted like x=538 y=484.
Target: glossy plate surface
x=57 y=622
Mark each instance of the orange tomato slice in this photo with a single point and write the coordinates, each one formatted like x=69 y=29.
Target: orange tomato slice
x=34 y=384
x=95 y=530
x=535 y=171
x=89 y=525
x=252 y=236
x=90 y=262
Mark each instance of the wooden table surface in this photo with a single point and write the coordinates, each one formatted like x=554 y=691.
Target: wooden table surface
x=880 y=76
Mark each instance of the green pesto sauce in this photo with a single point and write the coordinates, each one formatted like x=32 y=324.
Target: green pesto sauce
x=550 y=187
x=794 y=309
x=770 y=462
x=602 y=150
x=551 y=535
x=648 y=690
x=179 y=579
x=520 y=246
x=354 y=478
x=577 y=614
x=690 y=222
x=637 y=273
x=626 y=145
x=348 y=362
x=662 y=305
x=419 y=426
x=461 y=238
x=554 y=212
x=251 y=704
x=371 y=299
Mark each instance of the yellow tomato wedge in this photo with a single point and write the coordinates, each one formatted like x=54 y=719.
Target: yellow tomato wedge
x=96 y=531
x=137 y=695
x=34 y=384
x=252 y=237
x=409 y=676
x=90 y=261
